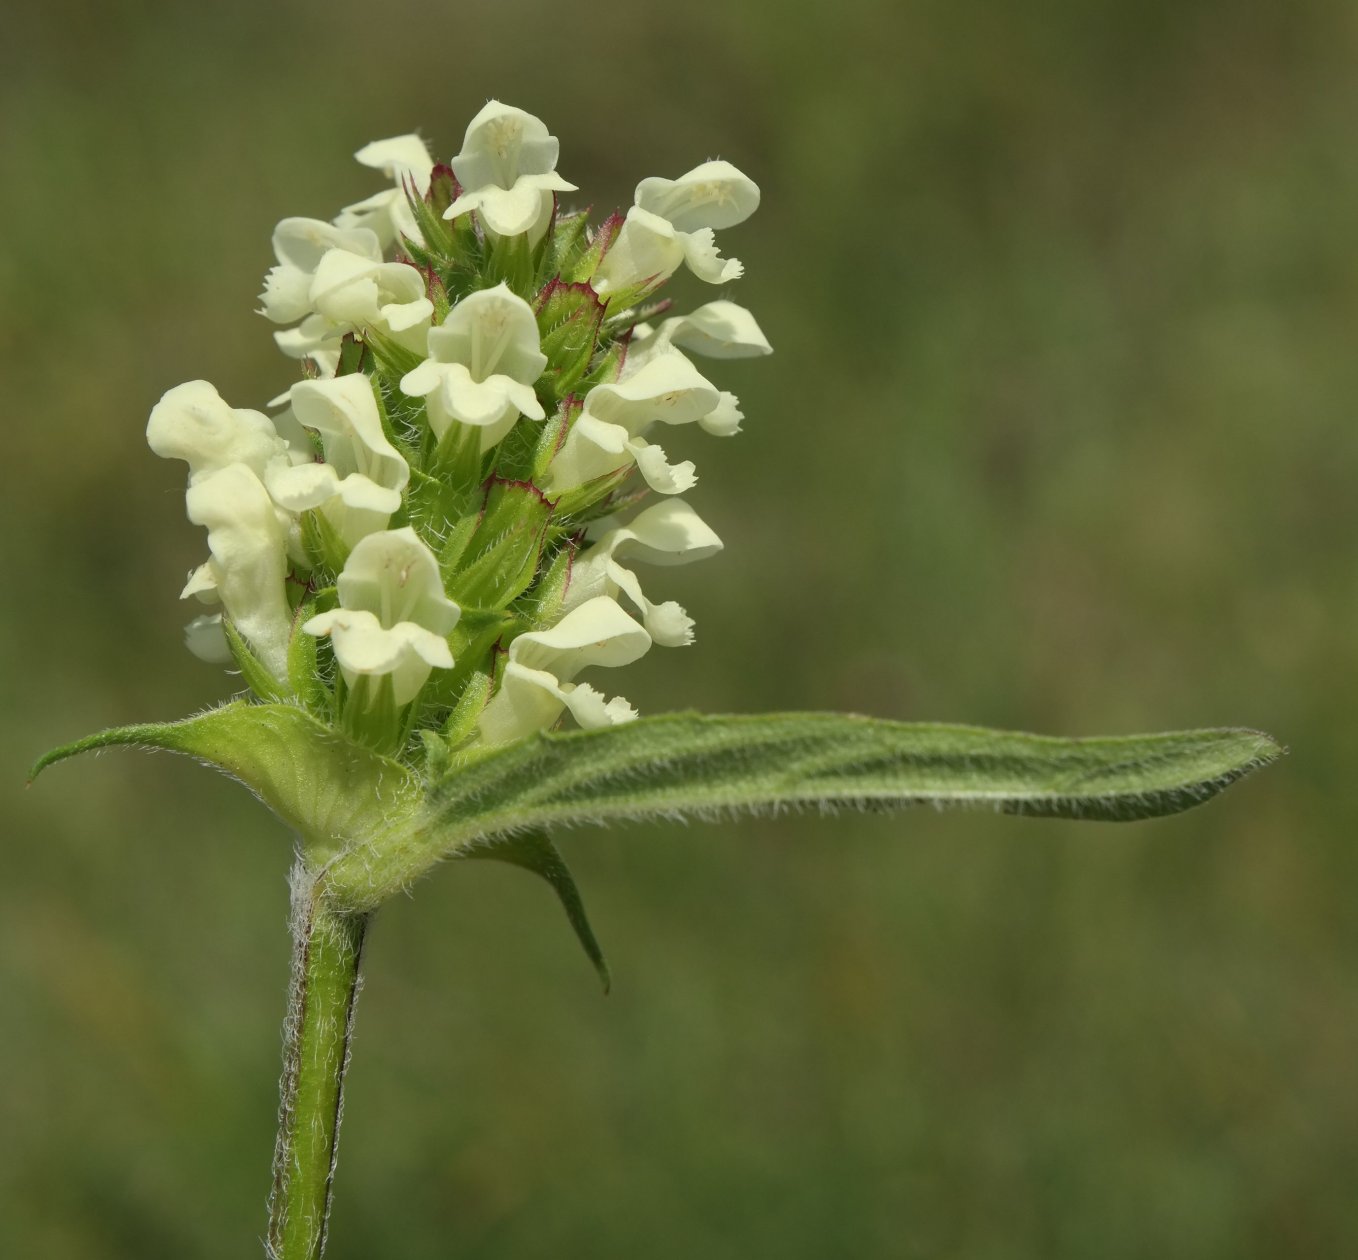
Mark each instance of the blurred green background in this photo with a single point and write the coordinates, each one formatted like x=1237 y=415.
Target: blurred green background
x=1059 y=435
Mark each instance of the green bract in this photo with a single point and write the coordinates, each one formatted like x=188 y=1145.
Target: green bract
x=412 y=560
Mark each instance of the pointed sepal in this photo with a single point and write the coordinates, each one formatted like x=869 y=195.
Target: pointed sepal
x=533 y=851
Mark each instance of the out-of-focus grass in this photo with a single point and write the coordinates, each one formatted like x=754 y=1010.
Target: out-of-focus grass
x=1060 y=434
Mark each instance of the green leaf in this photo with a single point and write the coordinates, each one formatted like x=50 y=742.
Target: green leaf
x=533 y=851
x=377 y=826
x=686 y=765
x=333 y=792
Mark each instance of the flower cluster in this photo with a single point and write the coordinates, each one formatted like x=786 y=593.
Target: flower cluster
x=425 y=537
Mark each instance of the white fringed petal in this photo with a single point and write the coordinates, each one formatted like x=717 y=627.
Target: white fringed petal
x=530 y=700
x=649 y=248
x=594 y=449
x=606 y=436
x=724 y=419
x=704 y=258
x=657 y=471
x=668 y=533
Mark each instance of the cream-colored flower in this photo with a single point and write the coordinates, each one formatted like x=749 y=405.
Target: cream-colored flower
x=673 y=223
x=394 y=618
x=299 y=245
x=483 y=360
x=359 y=485
x=670 y=532
x=192 y=422
x=405 y=160
x=606 y=436
x=536 y=684
x=507 y=172
x=247 y=538
x=719 y=330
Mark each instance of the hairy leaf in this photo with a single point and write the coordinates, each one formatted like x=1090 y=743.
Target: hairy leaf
x=332 y=791
x=687 y=765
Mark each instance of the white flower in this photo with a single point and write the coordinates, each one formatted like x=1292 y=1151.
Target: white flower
x=672 y=223
x=483 y=361
x=713 y=195
x=315 y=338
x=537 y=681
x=507 y=171
x=719 y=330
x=406 y=161
x=353 y=292
x=344 y=288
x=247 y=539
x=394 y=617
x=649 y=250
x=193 y=423
x=359 y=485
x=299 y=245
x=606 y=436
x=668 y=533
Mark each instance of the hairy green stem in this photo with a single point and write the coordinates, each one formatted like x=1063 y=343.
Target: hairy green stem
x=326 y=954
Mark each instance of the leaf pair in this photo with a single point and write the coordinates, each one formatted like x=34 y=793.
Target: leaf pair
x=374 y=826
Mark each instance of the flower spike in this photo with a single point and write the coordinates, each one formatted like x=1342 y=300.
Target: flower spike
x=413 y=562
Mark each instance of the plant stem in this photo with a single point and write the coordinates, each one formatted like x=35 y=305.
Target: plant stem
x=327 y=949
